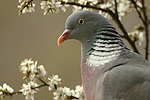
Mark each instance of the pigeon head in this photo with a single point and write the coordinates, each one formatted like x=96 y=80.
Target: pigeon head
x=82 y=26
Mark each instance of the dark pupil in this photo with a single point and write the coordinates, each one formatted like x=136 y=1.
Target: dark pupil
x=81 y=21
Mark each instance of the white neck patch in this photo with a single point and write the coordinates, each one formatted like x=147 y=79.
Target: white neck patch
x=98 y=58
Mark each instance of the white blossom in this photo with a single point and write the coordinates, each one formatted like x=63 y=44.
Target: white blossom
x=43 y=4
x=124 y=6
x=32 y=70
x=20 y=1
x=26 y=7
x=5 y=90
x=42 y=71
x=1 y=92
x=24 y=69
x=78 y=91
x=63 y=7
x=58 y=93
x=65 y=93
x=65 y=0
x=1 y=88
x=91 y=2
x=139 y=4
x=26 y=62
x=76 y=8
x=52 y=6
x=140 y=39
x=106 y=15
x=138 y=35
x=29 y=9
x=83 y=2
x=105 y=6
x=54 y=80
x=28 y=91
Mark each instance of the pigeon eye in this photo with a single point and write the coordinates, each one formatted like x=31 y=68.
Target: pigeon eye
x=81 y=21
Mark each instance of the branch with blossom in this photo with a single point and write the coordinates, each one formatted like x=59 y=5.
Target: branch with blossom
x=33 y=73
x=115 y=9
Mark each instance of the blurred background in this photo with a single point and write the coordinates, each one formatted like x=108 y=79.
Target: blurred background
x=35 y=36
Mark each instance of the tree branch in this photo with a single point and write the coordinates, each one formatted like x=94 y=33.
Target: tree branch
x=18 y=92
x=43 y=82
x=132 y=43
x=86 y=6
x=136 y=8
x=116 y=8
x=11 y=94
x=146 y=24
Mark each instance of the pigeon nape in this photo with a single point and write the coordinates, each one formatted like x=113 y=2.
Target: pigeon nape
x=110 y=71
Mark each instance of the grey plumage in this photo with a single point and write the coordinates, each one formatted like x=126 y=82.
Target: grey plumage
x=110 y=71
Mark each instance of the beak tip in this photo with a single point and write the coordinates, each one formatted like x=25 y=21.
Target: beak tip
x=63 y=37
x=60 y=40
x=58 y=44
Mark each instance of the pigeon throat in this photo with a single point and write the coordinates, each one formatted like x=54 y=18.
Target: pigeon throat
x=106 y=46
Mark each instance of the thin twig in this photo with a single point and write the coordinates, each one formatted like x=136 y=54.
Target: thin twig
x=43 y=82
x=18 y=92
x=132 y=43
x=87 y=6
x=11 y=94
x=116 y=8
x=28 y=2
x=122 y=36
x=136 y=8
x=55 y=87
x=146 y=24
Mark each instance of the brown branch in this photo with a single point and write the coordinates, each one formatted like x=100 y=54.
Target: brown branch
x=122 y=36
x=132 y=43
x=136 y=8
x=72 y=97
x=86 y=6
x=115 y=18
x=116 y=8
x=146 y=24
x=18 y=92
x=55 y=87
x=44 y=84
x=11 y=94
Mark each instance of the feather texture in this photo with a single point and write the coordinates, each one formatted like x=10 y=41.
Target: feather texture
x=110 y=71
x=106 y=47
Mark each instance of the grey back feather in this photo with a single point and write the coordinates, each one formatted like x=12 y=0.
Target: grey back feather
x=130 y=81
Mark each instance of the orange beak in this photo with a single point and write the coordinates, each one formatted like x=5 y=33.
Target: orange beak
x=63 y=37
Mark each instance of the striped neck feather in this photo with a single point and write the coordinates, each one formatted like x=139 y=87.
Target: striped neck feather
x=106 y=47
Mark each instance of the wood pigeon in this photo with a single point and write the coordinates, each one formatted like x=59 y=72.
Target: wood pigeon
x=110 y=71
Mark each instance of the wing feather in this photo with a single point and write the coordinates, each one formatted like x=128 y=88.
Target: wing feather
x=127 y=82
